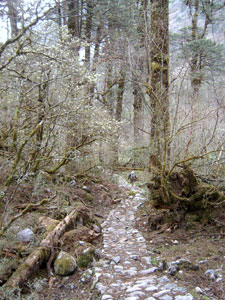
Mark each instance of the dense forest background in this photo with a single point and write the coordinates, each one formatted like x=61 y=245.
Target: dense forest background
x=109 y=84
x=90 y=90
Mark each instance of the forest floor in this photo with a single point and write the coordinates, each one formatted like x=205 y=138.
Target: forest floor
x=201 y=244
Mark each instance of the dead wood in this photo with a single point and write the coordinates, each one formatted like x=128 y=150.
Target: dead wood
x=51 y=258
x=42 y=253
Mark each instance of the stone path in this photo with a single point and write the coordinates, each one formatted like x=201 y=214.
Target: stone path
x=126 y=273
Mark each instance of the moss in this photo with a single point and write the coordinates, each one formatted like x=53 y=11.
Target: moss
x=68 y=178
x=86 y=258
x=156 y=66
x=89 y=197
x=65 y=264
x=132 y=193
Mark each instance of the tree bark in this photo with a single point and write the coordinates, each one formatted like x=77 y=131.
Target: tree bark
x=159 y=89
x=88 y=29
x=74 y=18
x=138 y=113
x=13 y=16
x=118 y=114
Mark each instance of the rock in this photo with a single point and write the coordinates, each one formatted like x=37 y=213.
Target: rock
x=137 y=294
x=86 y=276
x=134 y=257
x=39 y=285
x=65 y=264
x=211 y=274
x=101 y=288
x=172 y=269
x=96 y=228
x=25 y=235
x=86 y=258
x=86 y=189
x=107 y=297
x=132 y=289
x=175 y=266
x=166 y=297
x=73 y=183
x=186 y=297
x=219 y=279
x=161 y=293
x=116 y=259
x=203 y=261
x=163 y=279
x=198 y=290
x=71 y=286
x=151 y=288
x=156 y=251
x=149 y=271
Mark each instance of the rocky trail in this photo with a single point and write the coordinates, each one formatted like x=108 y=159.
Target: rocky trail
x=126 y=272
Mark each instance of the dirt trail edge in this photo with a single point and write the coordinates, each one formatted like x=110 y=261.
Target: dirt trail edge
x=126 y=272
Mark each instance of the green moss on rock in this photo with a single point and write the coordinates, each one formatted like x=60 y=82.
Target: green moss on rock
x=86 y=258
x=65 y=264
x=89 y=197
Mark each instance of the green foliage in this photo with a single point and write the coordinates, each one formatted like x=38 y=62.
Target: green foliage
x=210 y=55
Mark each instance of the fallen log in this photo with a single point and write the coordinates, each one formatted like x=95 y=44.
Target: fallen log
x=40 y=254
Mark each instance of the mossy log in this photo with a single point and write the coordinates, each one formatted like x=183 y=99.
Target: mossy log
x=40 y=254
x=183 y=192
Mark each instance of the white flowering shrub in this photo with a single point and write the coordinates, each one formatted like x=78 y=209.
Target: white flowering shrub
x=47 y=114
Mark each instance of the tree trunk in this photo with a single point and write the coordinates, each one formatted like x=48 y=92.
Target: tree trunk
x=13 y=16
x=88 y=29
x=74 y=19
x=138 y=113
x=118 y=115
x=195 y=64
x=108 y=86
x=159 y=89
x=142 y=67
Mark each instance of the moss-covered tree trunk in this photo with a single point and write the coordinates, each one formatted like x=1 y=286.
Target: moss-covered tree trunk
x=88 y=28
x=74 y=18
x=159 y=87
x=140 y=65
x=118 y=113
x=138 y=114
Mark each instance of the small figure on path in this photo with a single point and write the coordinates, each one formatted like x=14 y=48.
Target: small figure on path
x=132 y=177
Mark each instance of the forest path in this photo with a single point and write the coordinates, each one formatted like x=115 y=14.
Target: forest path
x=126 y=272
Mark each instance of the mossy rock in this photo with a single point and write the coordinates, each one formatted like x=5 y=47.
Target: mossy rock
x=132 y=193
x=65 y=264
x=89 y=197
x=86 y=258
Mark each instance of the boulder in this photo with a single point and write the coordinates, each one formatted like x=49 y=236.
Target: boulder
x=25 y=235
x=65 y=264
